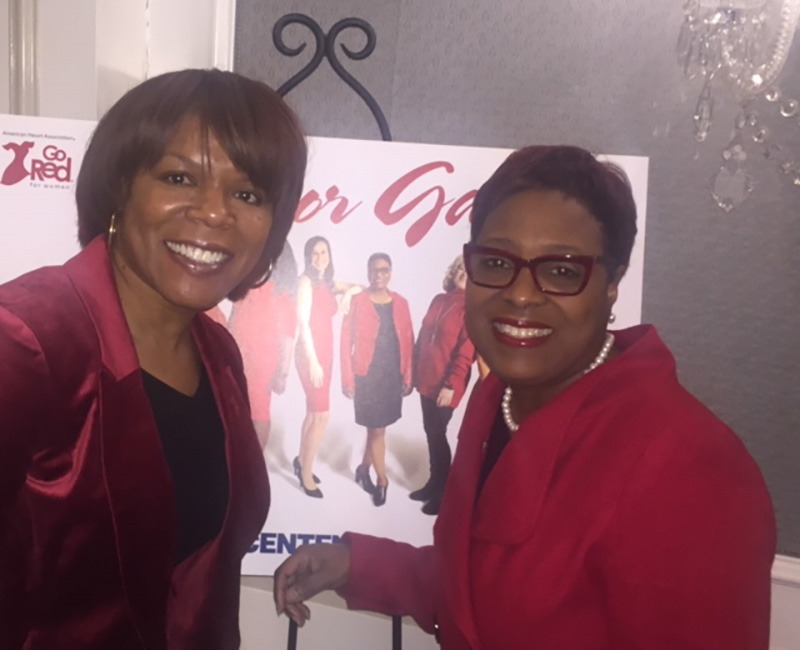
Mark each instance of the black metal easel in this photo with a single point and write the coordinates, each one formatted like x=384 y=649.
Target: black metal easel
x=326 y=49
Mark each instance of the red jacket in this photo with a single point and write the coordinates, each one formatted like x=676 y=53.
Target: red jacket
x=444 y=352
x=621 y=516
x=86 y=500
x=360 y=331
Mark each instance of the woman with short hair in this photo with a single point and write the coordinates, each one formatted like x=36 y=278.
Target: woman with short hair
x=377 y=349
x=593 y=502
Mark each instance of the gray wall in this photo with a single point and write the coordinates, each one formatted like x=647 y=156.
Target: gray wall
x=723 y=289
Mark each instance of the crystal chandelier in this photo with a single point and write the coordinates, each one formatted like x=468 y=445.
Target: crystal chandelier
x=739 y=46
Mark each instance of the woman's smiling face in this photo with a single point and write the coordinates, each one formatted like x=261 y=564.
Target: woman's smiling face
x=320 y=257
x=529 y=338
x=194 y=226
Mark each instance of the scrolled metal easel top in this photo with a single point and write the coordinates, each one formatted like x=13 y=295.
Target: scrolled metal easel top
x=326 y=48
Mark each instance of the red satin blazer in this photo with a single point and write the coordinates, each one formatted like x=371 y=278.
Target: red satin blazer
x=621 y=516
x=86 y=501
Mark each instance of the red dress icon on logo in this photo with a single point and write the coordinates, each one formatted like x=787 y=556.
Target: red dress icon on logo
x=16 y=171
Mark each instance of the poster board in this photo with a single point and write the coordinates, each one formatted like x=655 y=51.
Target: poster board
x=410 y=201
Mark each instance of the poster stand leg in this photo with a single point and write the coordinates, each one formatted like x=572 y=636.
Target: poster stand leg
x=397 y=633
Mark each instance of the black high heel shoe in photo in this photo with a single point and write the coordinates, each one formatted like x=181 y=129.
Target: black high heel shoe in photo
x=364 y=480
x=432 y=507
x=379 y=495
x=425 y=493
x=316 y=493
x=298 y=469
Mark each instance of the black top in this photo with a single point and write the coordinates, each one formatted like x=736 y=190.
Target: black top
x=386 y=358
x=499 y=437
x=379 y=394
x=194 y=445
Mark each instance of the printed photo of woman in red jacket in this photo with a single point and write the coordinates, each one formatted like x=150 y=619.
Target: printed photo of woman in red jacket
x=264 y=326
x=443 y=357
x=316 y=307
x=377 y=350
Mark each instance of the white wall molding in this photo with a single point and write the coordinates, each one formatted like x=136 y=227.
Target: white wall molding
x=22 y=39
x=224 y=34
x=175 y=42
x=90 y=52
x=121 y=50
x=785 y=623
x=786 y=571
x=139 y=39
x=5 y=78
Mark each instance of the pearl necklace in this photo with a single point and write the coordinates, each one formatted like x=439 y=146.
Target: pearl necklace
x=505 y=405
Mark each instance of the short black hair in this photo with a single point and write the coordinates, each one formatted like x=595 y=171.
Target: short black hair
x=602 y=188
x=378 y=256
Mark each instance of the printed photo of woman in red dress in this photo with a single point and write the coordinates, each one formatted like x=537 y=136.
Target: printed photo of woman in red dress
x=443 y=357
x=316 y=307
x=264 y=325
x=377 y=350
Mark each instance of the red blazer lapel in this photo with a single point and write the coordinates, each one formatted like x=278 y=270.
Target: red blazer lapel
x=140 y=492
x=511 y=501
x=91 y=275
x=135 y=472
x=452 y=530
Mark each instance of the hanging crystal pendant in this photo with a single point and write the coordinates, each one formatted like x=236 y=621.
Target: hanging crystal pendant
x=735 y=150
x=703 y=113
x=731 y=189
x=731 y=43
x=790 y=108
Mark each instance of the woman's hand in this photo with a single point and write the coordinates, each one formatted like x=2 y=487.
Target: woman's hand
x=349 y=393
x=445 y=397
x=308 y=571
x=316 y=373
x=347 y=296
x=407 y=388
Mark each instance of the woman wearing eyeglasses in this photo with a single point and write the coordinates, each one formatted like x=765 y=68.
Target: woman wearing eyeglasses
x=377 y=348
x=592 y=502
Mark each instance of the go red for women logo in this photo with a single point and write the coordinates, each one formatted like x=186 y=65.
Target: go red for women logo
x=53 y=164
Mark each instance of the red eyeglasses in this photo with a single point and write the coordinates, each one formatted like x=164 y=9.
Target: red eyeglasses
x=556 y=275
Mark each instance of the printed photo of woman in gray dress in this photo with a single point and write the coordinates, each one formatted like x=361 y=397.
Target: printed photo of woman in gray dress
x=376 y=357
